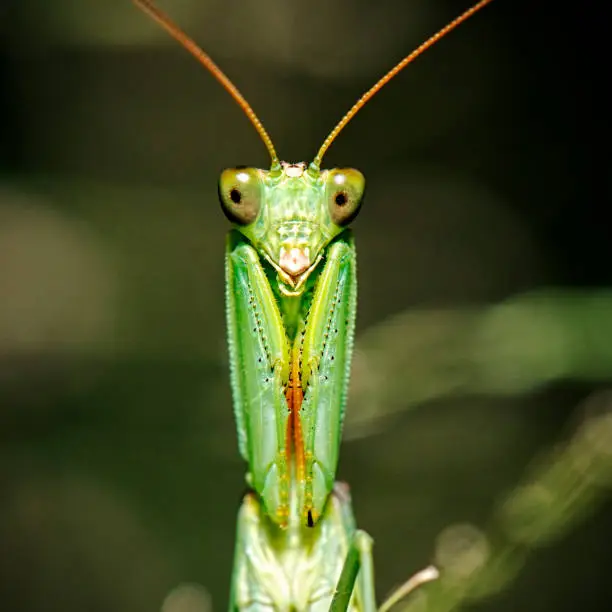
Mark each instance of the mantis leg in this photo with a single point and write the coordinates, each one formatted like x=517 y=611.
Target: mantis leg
x=259 y=358
x=357 y=575
x=414 y=582
x=326 y=359
x=358 y=570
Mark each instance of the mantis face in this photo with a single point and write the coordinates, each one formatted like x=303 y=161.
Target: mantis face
x=290 y=215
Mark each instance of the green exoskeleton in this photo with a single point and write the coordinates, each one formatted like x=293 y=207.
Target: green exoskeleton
x=291 y=297
x=291 y=291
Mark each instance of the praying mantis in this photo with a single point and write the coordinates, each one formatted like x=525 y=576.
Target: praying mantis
x=291 y=300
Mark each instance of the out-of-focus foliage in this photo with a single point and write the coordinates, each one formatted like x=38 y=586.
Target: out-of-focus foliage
x=564 y=487
x=484 y=306
x=515 y=347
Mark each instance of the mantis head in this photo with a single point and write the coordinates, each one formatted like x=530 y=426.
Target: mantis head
x=291 y=214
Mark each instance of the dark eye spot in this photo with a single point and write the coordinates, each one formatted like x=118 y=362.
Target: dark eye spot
x=341 y=198
x=235 y=196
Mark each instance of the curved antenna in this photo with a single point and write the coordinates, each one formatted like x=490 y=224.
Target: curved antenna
x=316 y=163
x=165 y=22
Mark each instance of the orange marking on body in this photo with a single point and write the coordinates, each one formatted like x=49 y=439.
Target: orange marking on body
x=295 y=396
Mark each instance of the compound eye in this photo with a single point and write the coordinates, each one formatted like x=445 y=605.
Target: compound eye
x=345 y=188
x=240 y=194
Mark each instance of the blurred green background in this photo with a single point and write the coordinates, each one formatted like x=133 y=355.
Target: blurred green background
x=484 y=314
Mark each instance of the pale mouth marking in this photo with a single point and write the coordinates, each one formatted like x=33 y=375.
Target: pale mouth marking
x=294 y=260
x=296 y=281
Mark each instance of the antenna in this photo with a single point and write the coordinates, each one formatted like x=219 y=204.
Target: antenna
x=165 y=22
x=316 y=163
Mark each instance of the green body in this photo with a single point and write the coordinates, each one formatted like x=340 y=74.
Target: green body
x=291 y=303
x=291 y=300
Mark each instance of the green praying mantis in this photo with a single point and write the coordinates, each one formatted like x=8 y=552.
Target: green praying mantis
x=291 y=299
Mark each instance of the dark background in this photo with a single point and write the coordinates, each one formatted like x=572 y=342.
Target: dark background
x=483 y=266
